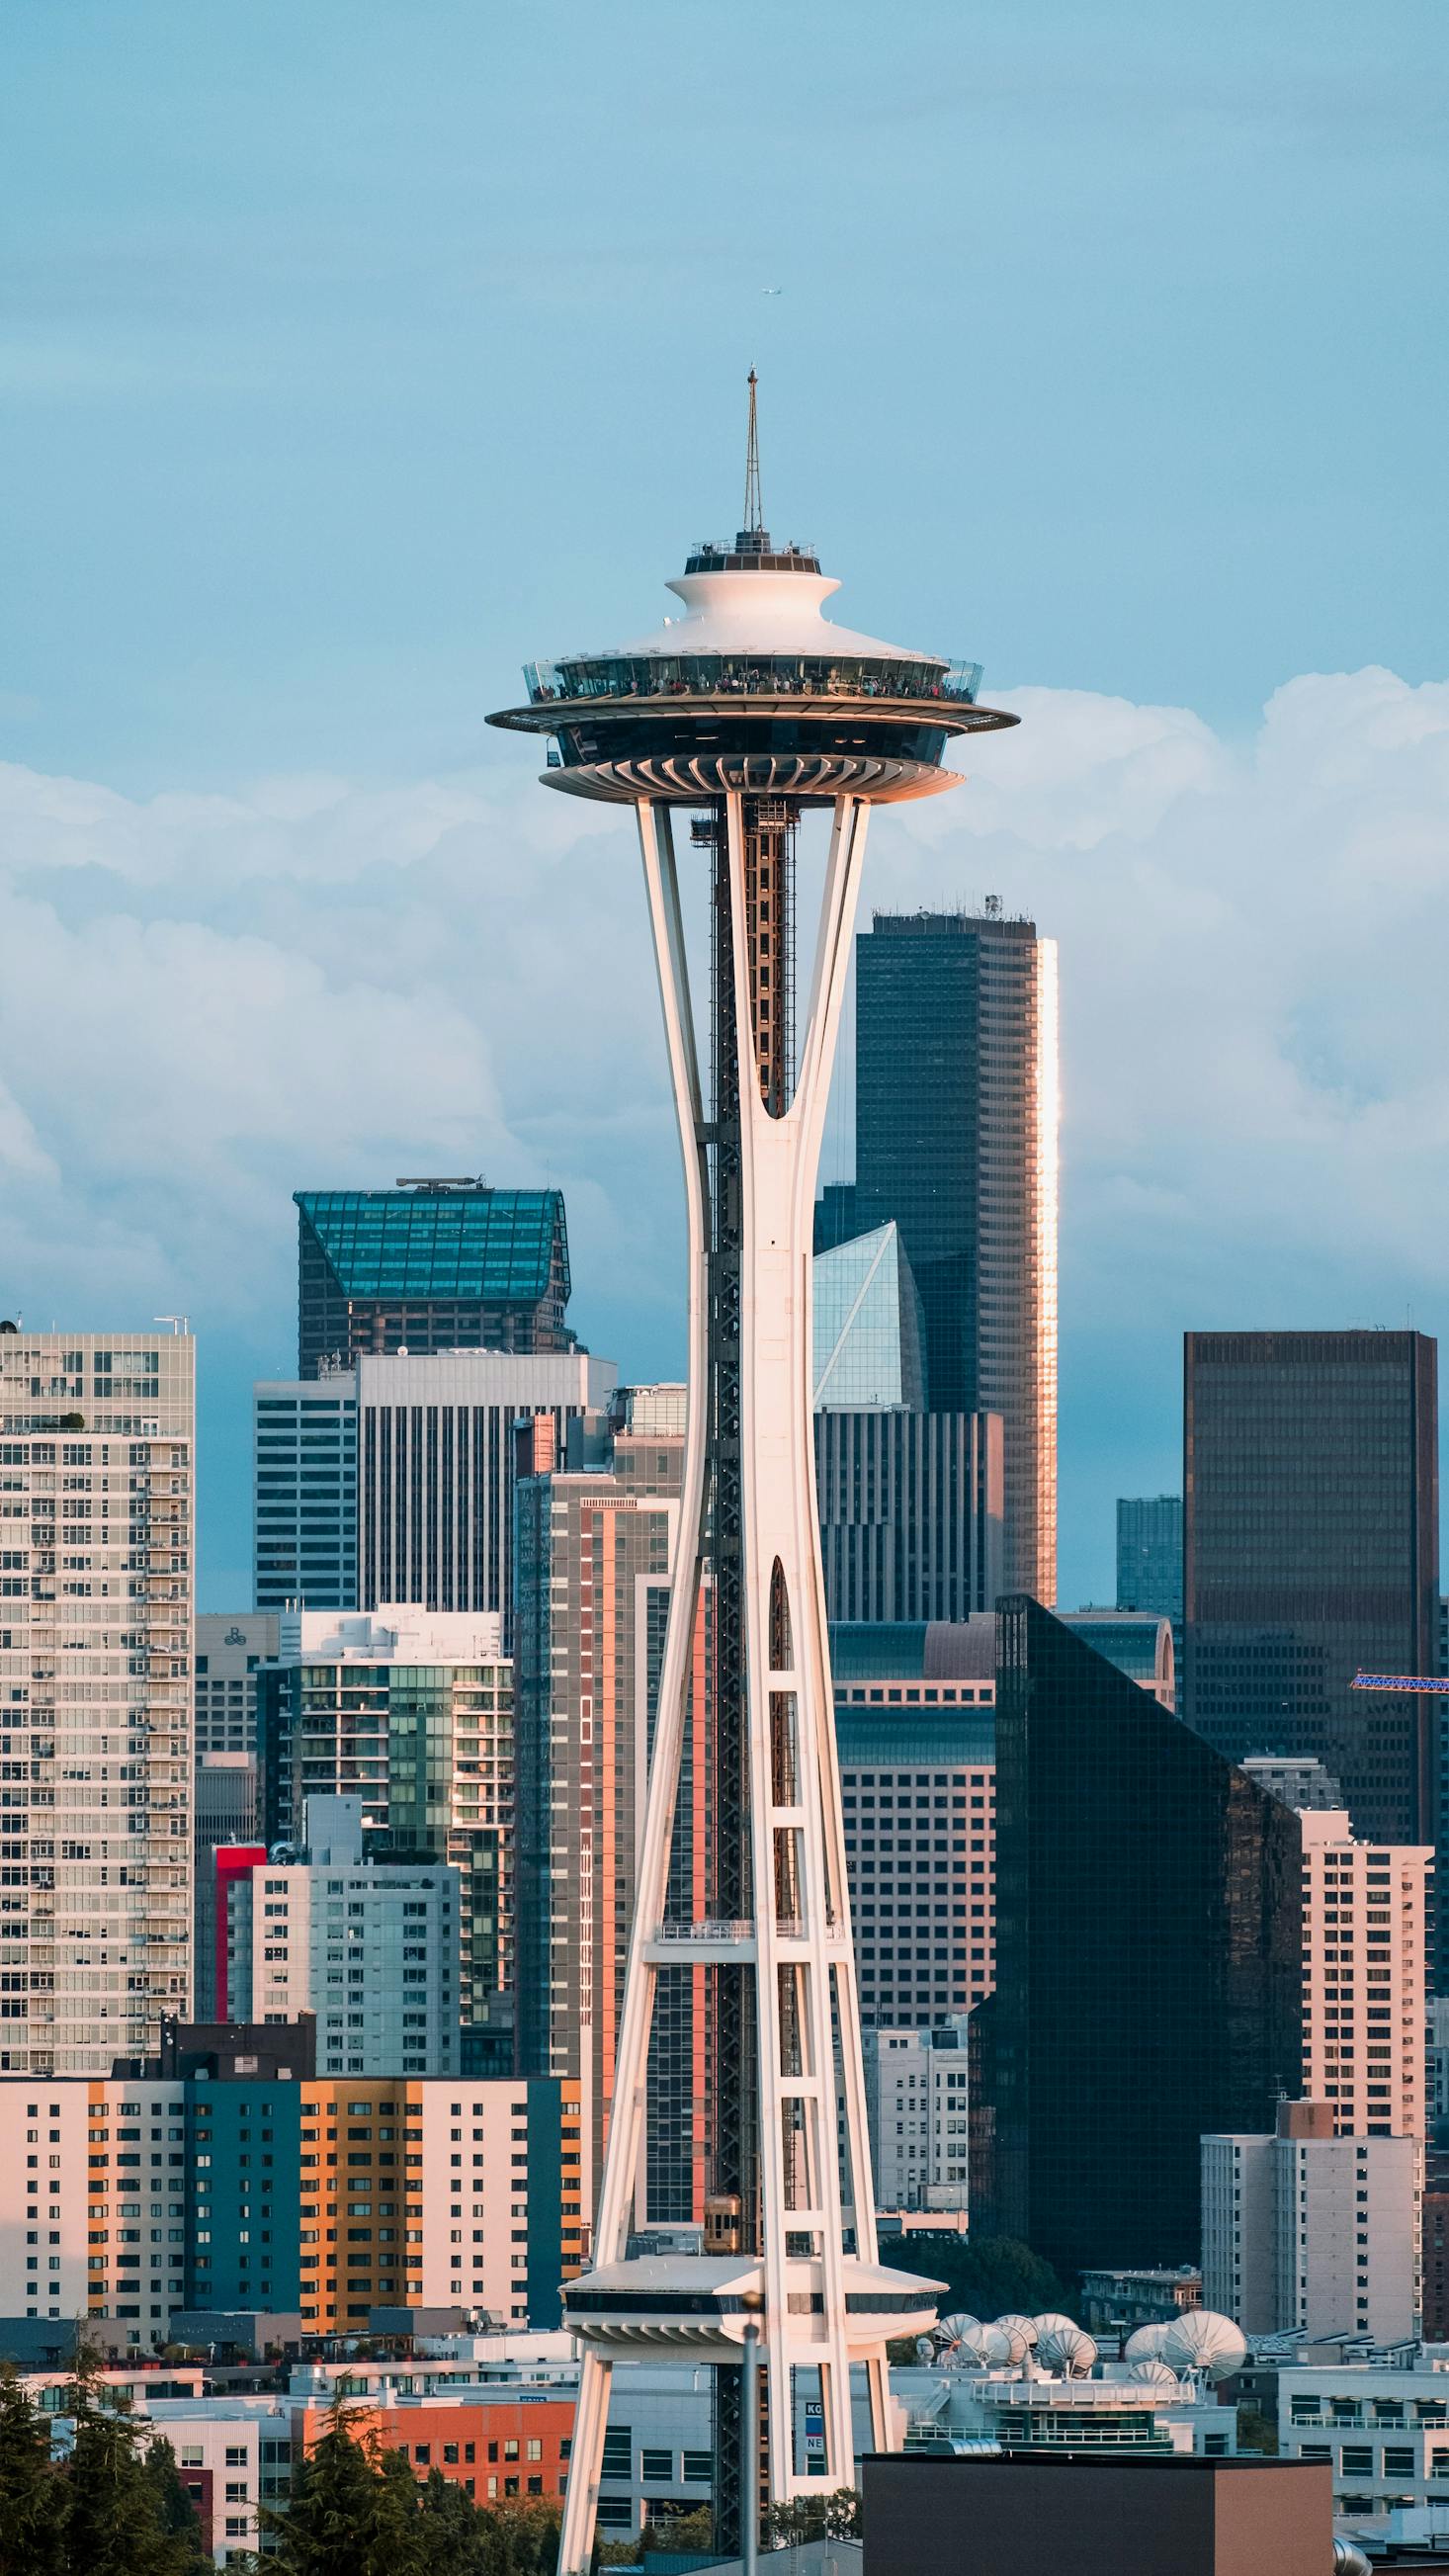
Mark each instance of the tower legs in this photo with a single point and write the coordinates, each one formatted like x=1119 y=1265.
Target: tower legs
x=791 y=1930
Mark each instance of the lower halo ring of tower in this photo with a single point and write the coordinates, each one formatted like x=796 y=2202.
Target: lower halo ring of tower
x=806 y=778
x=700 y=2304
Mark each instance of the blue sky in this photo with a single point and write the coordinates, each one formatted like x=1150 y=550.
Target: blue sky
x=350 y=353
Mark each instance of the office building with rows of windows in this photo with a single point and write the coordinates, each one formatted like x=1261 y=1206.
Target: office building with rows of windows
x=429 y=1266
x=304 y=1493
x=956 y=1141
x=1311 y=1554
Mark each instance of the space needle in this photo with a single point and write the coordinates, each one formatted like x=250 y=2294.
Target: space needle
x=744 y=712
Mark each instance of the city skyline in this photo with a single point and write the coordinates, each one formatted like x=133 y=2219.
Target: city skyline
x=261 y=861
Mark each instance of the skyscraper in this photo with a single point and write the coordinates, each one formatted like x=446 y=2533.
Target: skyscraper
x=867 y=1324
x=436 y=1462
x=1311 y=1553
x=304 y=1492
x=429 y=1266
x=594 y=1555
x=956 y=1139
x=911 y=1511
x=97 y=1502
x=1149 y=1554
x=1148 y=1956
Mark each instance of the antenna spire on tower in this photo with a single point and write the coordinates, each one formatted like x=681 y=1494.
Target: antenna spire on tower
x=754 y=515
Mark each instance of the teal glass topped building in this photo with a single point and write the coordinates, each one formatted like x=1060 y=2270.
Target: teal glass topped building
x=867 y=1324
x=429 y=1266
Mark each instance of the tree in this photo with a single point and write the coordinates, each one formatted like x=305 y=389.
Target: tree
x=33 y=2497
x=175 y=2513
x=457 y=2539
x=835 y=2515
x=114 y=2525
x=331 y=2521
x=531 y=2531
x=691 y=2529
x=1257 y=2431
x=988 y=2276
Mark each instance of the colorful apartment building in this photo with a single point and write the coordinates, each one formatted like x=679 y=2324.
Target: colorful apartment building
x=322 y=2197
x=500 y=2450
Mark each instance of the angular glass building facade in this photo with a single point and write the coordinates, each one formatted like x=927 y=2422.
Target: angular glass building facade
x=1148 y=1958
x=956 y=1139
x=429 y=1266
x=1311 y=1553
x=867 y=1324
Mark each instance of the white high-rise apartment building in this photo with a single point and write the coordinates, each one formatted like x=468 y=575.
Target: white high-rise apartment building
x=369 y=1947
x=1364 y=1978
x=97 y=1433
x=1311 y=2232
x=916 y=2112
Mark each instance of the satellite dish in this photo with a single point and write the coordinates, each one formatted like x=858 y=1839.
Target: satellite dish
x=1145 y=2342
x=1199 y=2340
x=1153 y=2374
x=1013 y=2323
x=1067 y=2349
x=925 y=2347
x=1051 y=2322
x=951 y=2329
x=989 y=2345
x=1007 y=2331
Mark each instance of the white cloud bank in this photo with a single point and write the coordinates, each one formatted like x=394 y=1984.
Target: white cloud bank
x=207 y=1001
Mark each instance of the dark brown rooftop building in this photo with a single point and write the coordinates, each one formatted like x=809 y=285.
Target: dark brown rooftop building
x=1174 y=2516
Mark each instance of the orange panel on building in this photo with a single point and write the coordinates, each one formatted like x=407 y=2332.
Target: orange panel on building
x=500 y=2450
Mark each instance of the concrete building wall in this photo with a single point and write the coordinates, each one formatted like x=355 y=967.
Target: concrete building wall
x=97 y=1556
x=1318 y=2234
x=1365 y=1978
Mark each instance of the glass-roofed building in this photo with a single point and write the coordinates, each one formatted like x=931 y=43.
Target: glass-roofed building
x=432 y=1265
x=867 y=1324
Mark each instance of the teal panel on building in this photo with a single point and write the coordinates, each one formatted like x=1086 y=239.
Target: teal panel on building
x=243 y=2184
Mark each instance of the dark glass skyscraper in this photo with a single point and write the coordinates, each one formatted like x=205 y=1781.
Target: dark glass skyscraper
x=1311 y=1553
x=1149 y=1554
x=429 y=1266
x=1148 y=1956
x=956 y=1138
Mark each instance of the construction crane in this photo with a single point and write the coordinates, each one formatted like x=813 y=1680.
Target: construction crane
x=1436 y=1684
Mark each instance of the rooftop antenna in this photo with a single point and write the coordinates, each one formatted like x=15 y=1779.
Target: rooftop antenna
x=754 y=515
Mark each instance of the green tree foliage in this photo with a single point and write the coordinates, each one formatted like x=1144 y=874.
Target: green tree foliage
x=1257 y=2431
x=331 y=2523
x=122 y=2516
x=33 y=2499
x=834 y=2516
x=692 y=2529
x=357 y=2510
x=988 y=2276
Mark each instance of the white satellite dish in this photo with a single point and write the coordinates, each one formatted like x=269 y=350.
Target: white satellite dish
x=1200 y=2340
x=1145 y=2342
x=1153 y=2374
x=1069 y=2349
